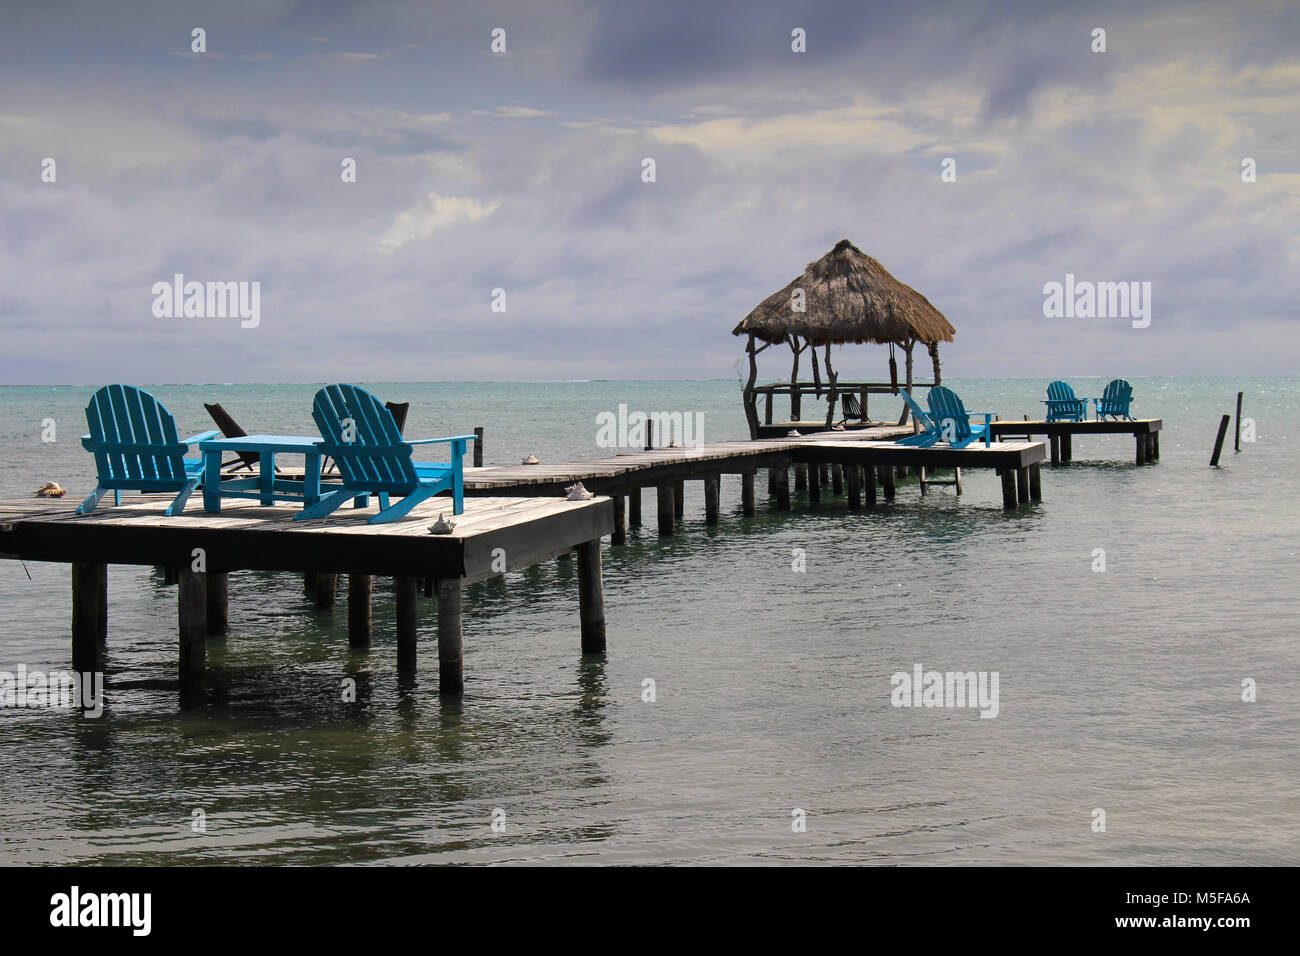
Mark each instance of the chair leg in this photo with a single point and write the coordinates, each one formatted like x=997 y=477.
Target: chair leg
x=117 y=497
x=178 y=505
x=91 y=502
x=325 y=506
x=403 y=507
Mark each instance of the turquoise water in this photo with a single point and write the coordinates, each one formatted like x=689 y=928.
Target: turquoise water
x=1118 y=690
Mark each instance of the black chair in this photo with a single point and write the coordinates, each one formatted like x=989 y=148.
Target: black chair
x=230 y=428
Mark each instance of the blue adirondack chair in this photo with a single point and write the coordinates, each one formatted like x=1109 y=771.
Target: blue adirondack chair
x=362 y=437
x=1063 y=406
x=133 y=439
x=929 y=434
x=945 y=408
x=1115 y=401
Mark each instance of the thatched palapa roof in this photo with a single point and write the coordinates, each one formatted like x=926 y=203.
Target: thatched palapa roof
x=849 y=297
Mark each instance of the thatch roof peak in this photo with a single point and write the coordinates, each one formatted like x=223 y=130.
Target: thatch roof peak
x=847 y=297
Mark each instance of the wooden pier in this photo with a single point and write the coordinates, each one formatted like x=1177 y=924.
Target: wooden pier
x=492 y=536
x=1060 y=435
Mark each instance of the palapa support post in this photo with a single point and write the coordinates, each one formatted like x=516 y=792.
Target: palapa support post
x=634 y=507
x=679 y=500
x=837 y=479
x=747 y=494
x=478 y=446
x=192 y=621
x=887 y=480
x=783 y=487
x=664 y=498
x=359 y=591
x=591 y=598
x=89 y=615
x=1067 y=447
x=1218 y=442
x=767 y=409
x=1022 y=485
x=326 y=585
x=712 y=492
x=1008 y=488
x=1035 y=482
x=869 y=483
x=620 y=522
x=405 y=592
x=218 y=587
x=1055 y=442
x=451 y=655
x=854 y=481
x=814 y=483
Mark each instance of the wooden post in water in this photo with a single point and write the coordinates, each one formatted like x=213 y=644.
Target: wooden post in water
x=679 y=500
x=218 y=610
x=1035 y=482
x=1008 y=487
x=747 y=494
x=326 y=585
x=783 y=487
x=634 y=507
x=620 y=522
x=837 y=479
x=887 y=480
x=1140 y=444
x=309 y=583
x=591 y=598
x=192 y=621
x=1218 y=442
x=824 y=475
x=1067 y=447
x=1155 y=444
x=814 y=483
x=800 y=478
x=854 y=481
x=712 y=492
x=89 y=615
x=664 y=496
x=869 y=482
x=405 y=592
x=1022 y=485
x=169 y=574
x=478 y=446
x=1236 y=438
x=451 y=656
x=359 y=590
x=1054 y=442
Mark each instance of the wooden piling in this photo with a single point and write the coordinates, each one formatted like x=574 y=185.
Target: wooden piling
x=1155 y=444
x=747 y=494
x=1008 y=477
x=451 y=655
x=478 y=446
x=1022 y=485
x=869 y=483
x=837 y=479
x=1067 y=447
x=824 y=475
x=89 y=615
x=192 y=620
x=218 y=602
x=634 y=507
x=783 y=487
x=664 y=496
x=853 y=478
x=1140 y=446
x=405 y=591
x=1035 y=482
x=169 y=575
x=1055 y=442
x=1236 y=438
x=679 y=500
x=814 y=483
x=309 y=583
x=800 y=478
x=1218 y=442
x=619 y=535
x=887 y=480
x=591 y=598
x=326 y=586
x=712 y=492
x=359 y=590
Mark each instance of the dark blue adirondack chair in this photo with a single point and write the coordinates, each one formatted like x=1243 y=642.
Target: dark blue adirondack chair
x=133 y=439
x=1063 y=406
x=929 y=434
x=362 y=437
x=1115 y=401
x=952 y=420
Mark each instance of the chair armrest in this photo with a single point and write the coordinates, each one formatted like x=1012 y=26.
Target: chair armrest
x=201 y=436
x=429 y=441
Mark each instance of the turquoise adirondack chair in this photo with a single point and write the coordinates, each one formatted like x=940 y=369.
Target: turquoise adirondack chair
x=1063 y=406
x=1115 y=401
x=362 y=437
x=952 y=420
x=133 y=439
x=929 y=434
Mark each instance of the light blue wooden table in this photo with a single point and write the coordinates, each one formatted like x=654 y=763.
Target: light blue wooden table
x=266 y=487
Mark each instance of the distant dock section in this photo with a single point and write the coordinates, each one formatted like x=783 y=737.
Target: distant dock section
x=1060 y=435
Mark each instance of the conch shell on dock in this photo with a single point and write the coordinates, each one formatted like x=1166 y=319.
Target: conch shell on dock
x=442 y=525
x=793 y=433
x=577 y=493
x=530 y=460
x=50 y=489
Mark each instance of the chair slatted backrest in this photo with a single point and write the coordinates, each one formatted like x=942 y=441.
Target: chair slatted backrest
x=1116 y=398
x=852 y=408
x=375 y=457
x=1060 y=392
x=133 y=438
x=917 y=411
x=945 y=406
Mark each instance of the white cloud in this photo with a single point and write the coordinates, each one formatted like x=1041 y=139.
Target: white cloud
x=433 y=214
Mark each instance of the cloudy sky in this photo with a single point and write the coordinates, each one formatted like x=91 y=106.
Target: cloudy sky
x=522 y=171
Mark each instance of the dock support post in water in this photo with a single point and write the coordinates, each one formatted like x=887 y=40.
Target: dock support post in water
x=869 y=483
x=800 y=478
x=326 y=584
x=634 y=507
x=218 y=602
x=854 y=480
x=192 y=621
x=309 y=582
x=1055 y=442
x=679 y=500
x=837 y=479
x=406 y=590
x=747 y=494
x=783 y=487
x=1008 y=477
x=814 y=483
x=664 y=499
x=1140 y=446
x=1022 y=485
x=712 y=492
x=89 y=615
x=1067 y=447
x=591 y=598
x=451 y=657
x=359 y=589
x=619 y=535
x=887 y=480
x=1035 y=482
